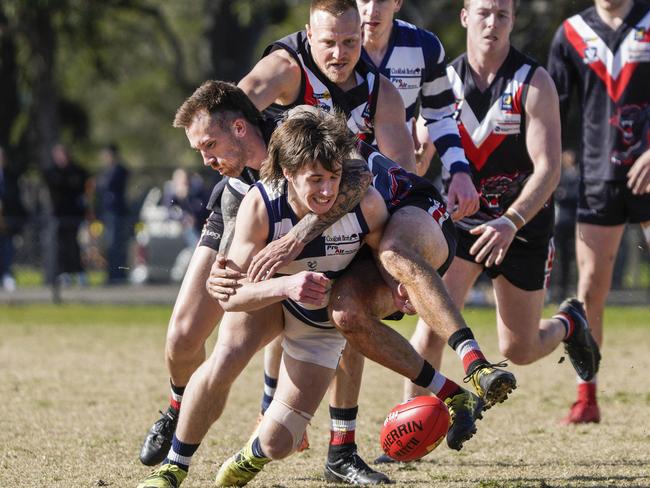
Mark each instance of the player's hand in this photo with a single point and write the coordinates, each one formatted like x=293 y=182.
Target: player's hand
x=494 y=240
x=462 y=198
x=275 y=255
x=401 y=299
x=307 y=287
x=222 y=282
x=638 y=177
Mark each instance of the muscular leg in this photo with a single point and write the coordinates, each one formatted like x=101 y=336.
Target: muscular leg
x=301 y=386
x=241 y=335
x=413 y=247
x=344 y=391
x=193 y=319
x=523 y=336
x=458 y=280
x=357 y=299
x=596 y=248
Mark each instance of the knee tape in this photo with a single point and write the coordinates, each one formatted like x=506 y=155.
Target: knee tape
x=294 y=420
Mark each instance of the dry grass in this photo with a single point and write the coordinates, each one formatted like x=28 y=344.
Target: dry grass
x=81 y=385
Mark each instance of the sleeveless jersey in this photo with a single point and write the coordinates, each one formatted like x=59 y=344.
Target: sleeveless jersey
x=358 y=104
x=330 y=253
x=415 y=64
x=493 y=132
x=611 y=70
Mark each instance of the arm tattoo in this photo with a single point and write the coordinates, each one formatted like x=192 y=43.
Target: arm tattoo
x=229 y=206
x=355 y=181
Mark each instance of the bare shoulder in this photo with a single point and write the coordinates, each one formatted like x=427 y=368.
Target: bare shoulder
x=542 y=90
x=275 y=78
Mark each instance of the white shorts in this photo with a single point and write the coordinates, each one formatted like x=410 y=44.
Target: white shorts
x=311 y=344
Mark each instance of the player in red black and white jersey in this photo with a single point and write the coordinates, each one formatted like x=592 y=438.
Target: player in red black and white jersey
x=508 y=118
x=604 y=54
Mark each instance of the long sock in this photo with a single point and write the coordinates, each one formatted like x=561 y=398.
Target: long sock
x=176 y=396
x=587 y=391
x=181 y=454
x=462 y=341
x=343 y=426
x=270 y=384
x=436 y=382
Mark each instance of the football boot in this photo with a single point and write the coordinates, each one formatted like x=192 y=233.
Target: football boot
x=464 y=409
x=581 y=347
x=491 y=383
x=166 y=476
x=158 y=440
x=348 y=467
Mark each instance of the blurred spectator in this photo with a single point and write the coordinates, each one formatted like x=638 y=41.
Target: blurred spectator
x=12 y=217
x=67 y=184
x=185 y=199
x=566 y=205
x=112 y=211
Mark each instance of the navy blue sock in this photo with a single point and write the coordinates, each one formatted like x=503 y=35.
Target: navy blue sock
x=270 y=384
x=257 y=449
x=181 y=454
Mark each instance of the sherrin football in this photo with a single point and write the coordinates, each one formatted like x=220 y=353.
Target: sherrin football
x=414 y=428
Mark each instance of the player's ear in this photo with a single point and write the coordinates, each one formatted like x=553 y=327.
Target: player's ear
x=238 y=127
x=463 y=17
x=398 y=5
x=308 y=29
x=287 y=175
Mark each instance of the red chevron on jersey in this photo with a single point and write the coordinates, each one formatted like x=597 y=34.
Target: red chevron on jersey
x=480 y=139
x=615 y=69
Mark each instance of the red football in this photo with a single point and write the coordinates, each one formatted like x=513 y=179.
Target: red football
x=414 y=428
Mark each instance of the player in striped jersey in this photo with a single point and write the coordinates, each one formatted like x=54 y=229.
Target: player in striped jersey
x=603 y=53
x=231 y=137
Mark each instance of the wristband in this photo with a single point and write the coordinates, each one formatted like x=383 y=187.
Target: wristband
x=515 y=217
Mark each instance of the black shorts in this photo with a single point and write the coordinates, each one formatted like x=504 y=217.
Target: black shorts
x=526 y=265
x=610 y=203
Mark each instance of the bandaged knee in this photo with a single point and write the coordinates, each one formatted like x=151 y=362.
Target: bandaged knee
x=292 y=419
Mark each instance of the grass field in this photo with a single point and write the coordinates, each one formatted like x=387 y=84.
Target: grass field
x=81 y=385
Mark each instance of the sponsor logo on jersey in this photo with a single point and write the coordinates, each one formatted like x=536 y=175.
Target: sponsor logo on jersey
x=402 y=84
x=405 y=71
x=340 y=249
x=341 y=239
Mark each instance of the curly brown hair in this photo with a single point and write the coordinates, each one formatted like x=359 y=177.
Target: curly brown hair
x=305 y=138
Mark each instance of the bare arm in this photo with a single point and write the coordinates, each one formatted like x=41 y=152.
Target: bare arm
x=544 y=145
x=275 y=78
x=392 y=135
x=355 y=181
x=229 y=206
x=251 y=230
